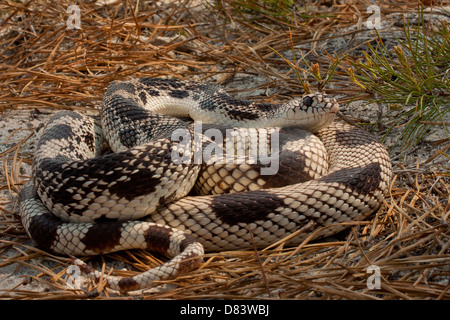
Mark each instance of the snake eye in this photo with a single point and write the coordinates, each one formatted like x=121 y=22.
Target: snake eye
x=307 y=101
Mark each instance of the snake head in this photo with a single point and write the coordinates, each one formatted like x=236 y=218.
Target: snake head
x=311 y=112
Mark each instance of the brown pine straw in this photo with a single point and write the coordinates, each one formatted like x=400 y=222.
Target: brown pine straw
x=46 y=67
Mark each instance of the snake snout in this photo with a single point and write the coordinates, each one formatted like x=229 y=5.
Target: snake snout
x=326 y=104
x=311 y=112
x=313 y=105
x=334 y=107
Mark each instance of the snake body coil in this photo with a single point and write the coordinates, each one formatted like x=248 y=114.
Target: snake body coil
x=82 y=201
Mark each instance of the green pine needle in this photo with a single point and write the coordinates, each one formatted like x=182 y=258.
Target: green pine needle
x=415 y=77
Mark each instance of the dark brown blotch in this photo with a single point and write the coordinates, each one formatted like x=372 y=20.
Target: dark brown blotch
x=102 y=237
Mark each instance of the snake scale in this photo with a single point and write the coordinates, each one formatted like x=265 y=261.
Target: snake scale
x=126 y=181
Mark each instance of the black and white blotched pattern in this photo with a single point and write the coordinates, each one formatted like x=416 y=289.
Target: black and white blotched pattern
x=83 y=201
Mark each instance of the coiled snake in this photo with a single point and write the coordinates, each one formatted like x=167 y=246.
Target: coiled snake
x=86 y=200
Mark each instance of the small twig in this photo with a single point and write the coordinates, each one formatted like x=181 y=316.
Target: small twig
x=258 y=258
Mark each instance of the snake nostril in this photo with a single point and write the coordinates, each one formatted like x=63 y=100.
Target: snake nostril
x=307 y=101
